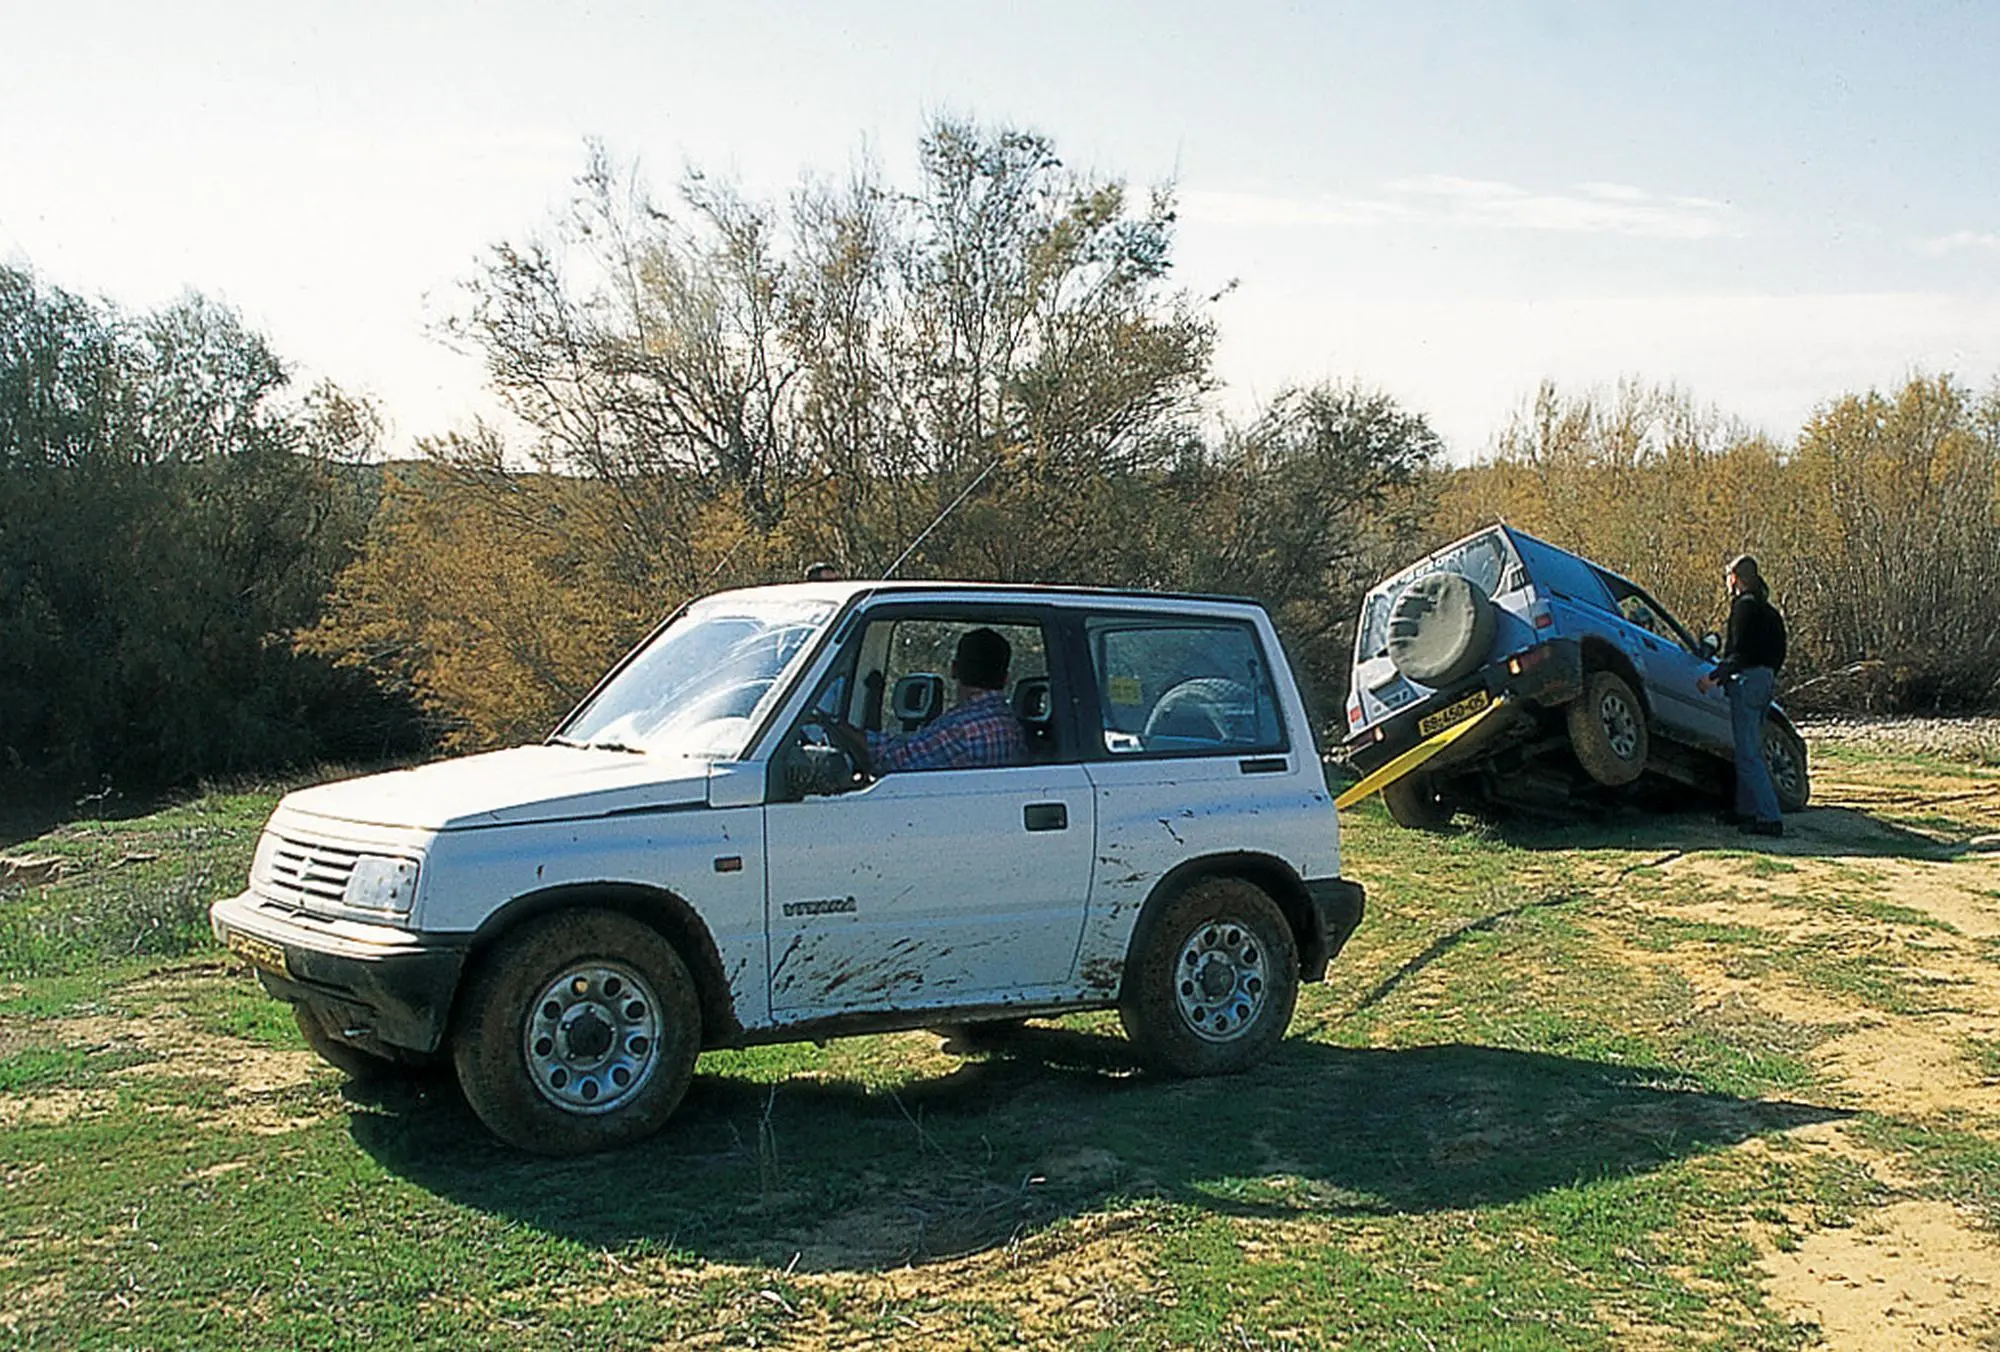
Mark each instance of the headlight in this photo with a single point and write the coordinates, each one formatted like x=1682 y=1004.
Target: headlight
x=260 y=865
x=380 y=883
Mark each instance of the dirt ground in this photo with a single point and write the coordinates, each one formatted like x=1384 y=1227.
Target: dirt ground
x=1915 y=1273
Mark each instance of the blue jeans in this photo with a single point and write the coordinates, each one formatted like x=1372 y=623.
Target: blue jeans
x=1749 y=697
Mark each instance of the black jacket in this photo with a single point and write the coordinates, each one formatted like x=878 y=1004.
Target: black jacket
x=1756 y=636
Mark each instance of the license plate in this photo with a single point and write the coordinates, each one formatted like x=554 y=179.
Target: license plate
x=1453 y=713
x=259 y=952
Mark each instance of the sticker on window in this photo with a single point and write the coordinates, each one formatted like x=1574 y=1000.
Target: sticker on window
x=1126 y=690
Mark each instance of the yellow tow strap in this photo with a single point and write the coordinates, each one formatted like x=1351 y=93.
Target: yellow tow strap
x=1415 y=756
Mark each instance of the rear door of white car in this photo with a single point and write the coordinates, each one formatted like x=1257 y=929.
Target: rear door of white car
x=1198 y=751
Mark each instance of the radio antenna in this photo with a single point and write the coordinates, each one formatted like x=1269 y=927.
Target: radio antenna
x=937 y=521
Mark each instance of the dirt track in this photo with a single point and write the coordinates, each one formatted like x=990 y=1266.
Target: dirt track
x=1897 y=873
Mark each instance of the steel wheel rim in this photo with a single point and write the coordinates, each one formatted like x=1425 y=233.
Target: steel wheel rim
x=1621 y=727
x=1220 y=983
x=1778 y=759
x=592 y=1038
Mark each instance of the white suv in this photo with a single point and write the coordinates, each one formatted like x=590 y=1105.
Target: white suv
x=701 y=856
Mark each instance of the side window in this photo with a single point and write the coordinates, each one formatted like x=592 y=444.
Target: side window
x=1635 y=607
x=1195 y=688
x=892 y=694
x=1563 y=574
x=906 y=684
x=914 y=650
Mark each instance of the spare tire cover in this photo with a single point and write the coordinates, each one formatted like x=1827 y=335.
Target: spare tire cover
x=1440 y=628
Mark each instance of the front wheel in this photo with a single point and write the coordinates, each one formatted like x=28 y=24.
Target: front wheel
x=580 y=1034
x=1211 y=986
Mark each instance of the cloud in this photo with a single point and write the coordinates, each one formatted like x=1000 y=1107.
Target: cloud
x=1615 y=192
x=1961 y=239
x=1243 y=208
x=1447 y=199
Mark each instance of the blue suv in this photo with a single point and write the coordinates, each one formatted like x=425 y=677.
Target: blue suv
x=1594 y=682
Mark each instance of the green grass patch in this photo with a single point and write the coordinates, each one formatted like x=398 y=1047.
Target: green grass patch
x=1512 y=1117
x=1985 y=1054
x=131 y=889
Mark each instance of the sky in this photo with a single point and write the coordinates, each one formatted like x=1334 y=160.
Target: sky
x=1769 y=205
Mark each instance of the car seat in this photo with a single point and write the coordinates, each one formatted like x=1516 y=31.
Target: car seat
x=917 y=699
x=1035 y=709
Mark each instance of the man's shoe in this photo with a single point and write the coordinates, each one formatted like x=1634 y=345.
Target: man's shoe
x=1757 y=828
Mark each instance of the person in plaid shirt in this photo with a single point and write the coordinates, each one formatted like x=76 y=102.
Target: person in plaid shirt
x=980 y=729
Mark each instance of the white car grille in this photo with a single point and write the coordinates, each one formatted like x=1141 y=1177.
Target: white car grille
x=307 y=874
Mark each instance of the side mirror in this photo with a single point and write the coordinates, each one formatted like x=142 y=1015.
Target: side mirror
x=1711 y=644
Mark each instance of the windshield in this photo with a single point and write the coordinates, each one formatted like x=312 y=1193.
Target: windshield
x=698 y=688
x=1487 y=559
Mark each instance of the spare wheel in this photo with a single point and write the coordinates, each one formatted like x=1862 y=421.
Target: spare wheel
x=1440 y=629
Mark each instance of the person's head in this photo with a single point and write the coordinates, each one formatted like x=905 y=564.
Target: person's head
x=822 y=571
x=982 y=660
x=1744 y=576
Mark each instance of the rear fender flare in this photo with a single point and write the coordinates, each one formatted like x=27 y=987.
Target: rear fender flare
x=1599 y=655
x=1277 y=879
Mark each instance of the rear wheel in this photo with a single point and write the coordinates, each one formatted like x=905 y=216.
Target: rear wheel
x=1785 y=758
x=580 y=1033
x=1414 y=803
x=1213 y=981
x=1607 y=730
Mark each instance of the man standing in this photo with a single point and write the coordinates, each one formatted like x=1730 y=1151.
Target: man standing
x=980 y=729
x=1751 y=656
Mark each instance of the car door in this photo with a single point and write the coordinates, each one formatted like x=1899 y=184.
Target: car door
x=1193 y=755
x=1704 y=715
x=930 y=888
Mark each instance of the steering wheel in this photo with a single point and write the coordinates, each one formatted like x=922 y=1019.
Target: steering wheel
x=852 y=742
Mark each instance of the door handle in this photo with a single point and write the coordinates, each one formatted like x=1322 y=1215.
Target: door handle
x=1045 y=817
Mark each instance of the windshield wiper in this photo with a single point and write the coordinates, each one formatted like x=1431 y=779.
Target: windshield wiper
x=598 y=746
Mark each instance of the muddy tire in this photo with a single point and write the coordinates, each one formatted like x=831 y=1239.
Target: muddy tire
x=357 y=1063
x=1440 y=628
x=579 y=1033
x=1414 y=803
x=1212 y=980
x=1785 y=758
x=1607 y=730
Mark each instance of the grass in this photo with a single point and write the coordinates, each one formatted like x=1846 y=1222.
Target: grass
x=132 y=891
x=1518 y=1115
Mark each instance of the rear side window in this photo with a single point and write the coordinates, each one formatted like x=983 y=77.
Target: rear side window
x=1563 y=573
x=1183 y=688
